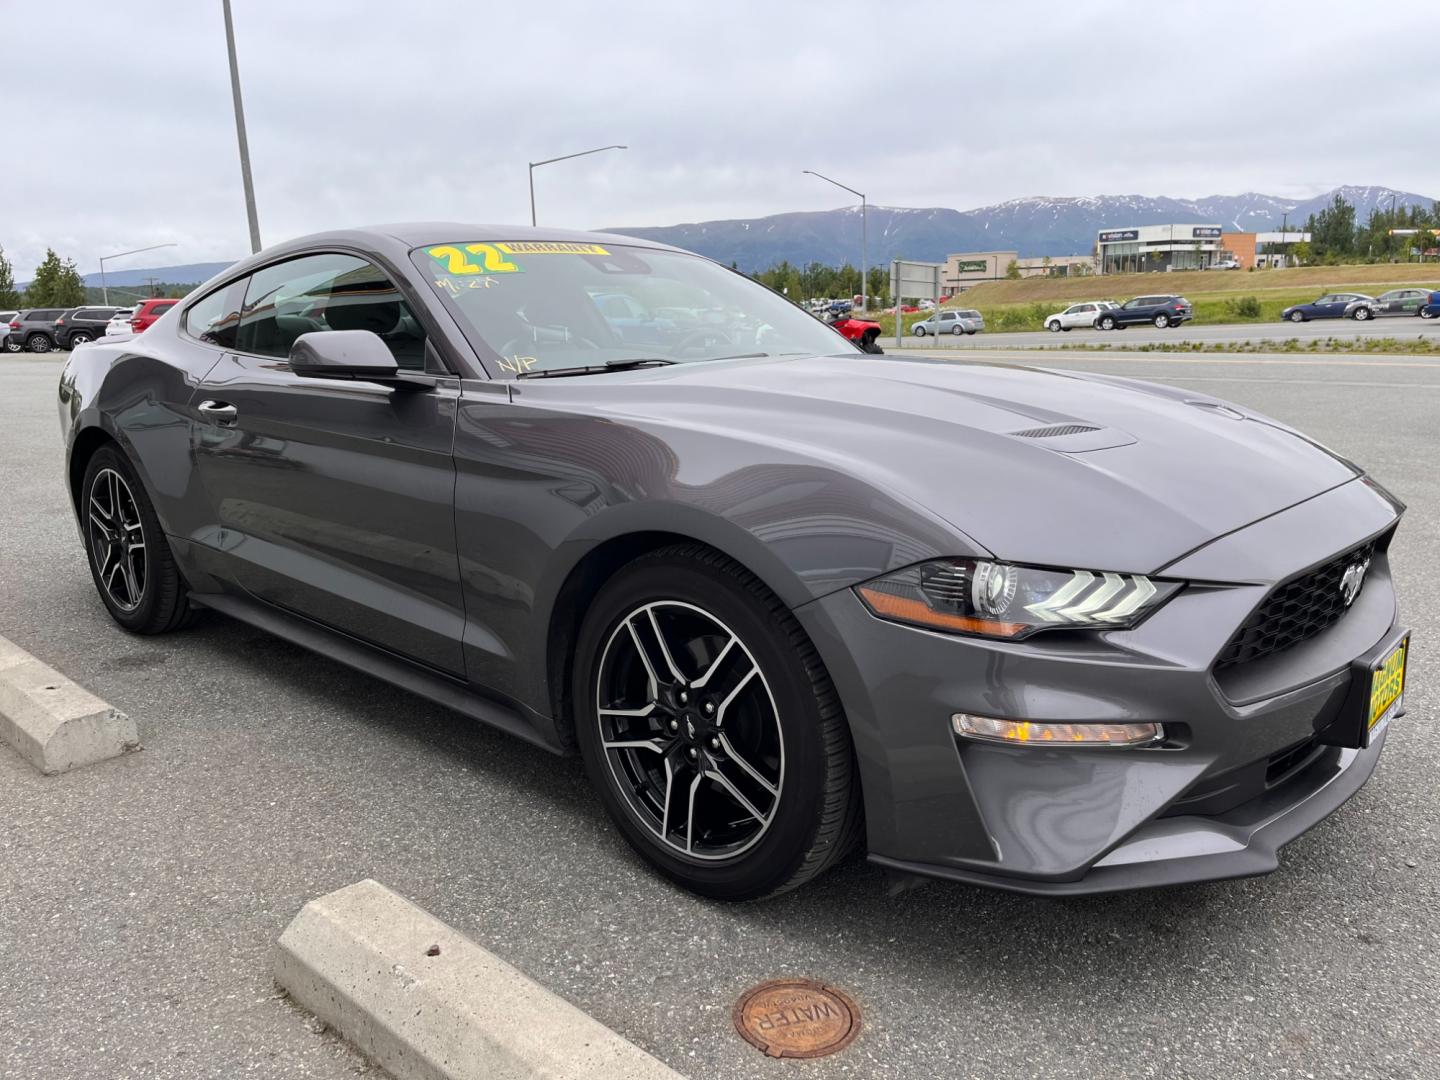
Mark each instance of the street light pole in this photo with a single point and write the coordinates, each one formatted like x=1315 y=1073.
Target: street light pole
x=240 y=132
x=104 y=288
x=864 y=240
x=563 y=157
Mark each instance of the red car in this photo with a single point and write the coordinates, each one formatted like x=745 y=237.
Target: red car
x=147 y=311
x=861 y=331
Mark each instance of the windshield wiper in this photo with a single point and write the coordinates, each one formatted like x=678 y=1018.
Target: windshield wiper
x=598 y=369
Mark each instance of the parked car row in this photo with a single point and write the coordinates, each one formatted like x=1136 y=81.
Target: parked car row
x=1159 y=311
x=39 y=330
x=1358 y=306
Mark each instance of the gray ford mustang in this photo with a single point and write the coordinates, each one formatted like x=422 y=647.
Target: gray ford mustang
x=1045 y=631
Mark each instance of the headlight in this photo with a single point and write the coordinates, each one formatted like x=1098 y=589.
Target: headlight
x=995 y=599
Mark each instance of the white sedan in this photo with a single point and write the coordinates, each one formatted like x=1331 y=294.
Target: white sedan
x=1082 y=314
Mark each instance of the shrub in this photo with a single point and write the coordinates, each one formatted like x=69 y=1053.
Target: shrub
x=1242 y=307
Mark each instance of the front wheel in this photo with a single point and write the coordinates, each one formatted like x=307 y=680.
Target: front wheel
x=80 y=337
x=130 y=560
x=710 y=728
x=1297 y=316
x=918 y=331
x=1053 y=327
x=1427 y=313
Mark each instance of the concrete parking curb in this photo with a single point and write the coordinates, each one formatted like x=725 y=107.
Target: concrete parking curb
x=54 y=723
x=426 y=1003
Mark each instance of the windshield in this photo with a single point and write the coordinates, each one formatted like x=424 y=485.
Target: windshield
x=543 y=306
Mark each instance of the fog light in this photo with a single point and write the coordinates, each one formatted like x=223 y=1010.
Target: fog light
x=1030 y=732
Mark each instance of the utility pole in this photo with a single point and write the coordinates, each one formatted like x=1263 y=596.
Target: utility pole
x=104 y=286
x=1285 y=239
x=240 y=132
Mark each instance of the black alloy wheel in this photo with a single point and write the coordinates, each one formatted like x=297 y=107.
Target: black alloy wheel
x=710 y=729
x=130 y=561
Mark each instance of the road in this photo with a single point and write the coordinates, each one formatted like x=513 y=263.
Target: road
x=139 y=898
x=1396 y=327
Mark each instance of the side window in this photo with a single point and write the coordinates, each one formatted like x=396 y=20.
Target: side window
x=215 y=319
x=327 y=292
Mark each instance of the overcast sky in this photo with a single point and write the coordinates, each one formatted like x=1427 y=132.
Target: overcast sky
x=120 y=129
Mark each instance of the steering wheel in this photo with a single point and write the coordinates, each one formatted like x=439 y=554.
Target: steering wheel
x=527 y=346
x=703 y=338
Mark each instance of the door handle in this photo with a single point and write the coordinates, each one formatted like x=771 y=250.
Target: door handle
x=221 y=412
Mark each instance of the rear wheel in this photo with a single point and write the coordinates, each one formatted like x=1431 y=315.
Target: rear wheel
x=957 y=329
x=710 y=728
x=1106 y=323
x=130 y=560
x=1162 y=321
x=39 y=343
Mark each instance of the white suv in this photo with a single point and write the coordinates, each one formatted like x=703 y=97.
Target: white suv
x=1082 y=314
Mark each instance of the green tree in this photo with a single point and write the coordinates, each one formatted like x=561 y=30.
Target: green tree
x=56 y=283
x=9 y=295
x=1333 y=230
x=1013 y=271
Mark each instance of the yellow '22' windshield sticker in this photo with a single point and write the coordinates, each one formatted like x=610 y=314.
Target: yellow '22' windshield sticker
x=456 y=261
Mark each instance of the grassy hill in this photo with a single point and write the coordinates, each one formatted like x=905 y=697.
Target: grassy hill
x=1217 y=295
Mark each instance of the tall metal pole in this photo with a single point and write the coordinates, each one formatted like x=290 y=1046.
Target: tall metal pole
x=240 y=132
x=562 y=157
x=1285 y=239
x=864 y=254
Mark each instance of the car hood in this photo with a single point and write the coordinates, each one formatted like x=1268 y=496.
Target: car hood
x=1045 y=467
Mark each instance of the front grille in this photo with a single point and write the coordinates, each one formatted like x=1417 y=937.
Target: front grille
x=1295 y=611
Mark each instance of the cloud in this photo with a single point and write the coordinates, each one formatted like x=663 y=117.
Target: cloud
x=364 y=111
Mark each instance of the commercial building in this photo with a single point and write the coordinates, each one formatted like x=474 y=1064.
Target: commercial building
x=963 y=271
x=1157 y=247
x=1263 y=249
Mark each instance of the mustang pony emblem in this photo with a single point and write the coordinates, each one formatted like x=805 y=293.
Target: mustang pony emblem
x=1352 y=579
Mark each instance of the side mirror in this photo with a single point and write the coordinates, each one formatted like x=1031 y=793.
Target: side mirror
x=343 y=354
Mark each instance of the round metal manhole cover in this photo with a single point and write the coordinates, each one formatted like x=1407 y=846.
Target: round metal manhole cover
x=797 y=1018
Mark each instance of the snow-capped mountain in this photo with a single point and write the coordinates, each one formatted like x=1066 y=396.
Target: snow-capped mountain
x=1032 y=226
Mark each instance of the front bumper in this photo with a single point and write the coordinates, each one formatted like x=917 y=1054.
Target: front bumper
x=1241 y=774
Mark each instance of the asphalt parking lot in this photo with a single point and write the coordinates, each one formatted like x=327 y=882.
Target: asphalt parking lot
x=1406 y=327
x=139 y=898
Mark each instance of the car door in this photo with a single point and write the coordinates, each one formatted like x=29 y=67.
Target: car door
x=334 y=498
x=1081 y=315
x=1410 y=301
x=1328 y=307
x=1130 y=311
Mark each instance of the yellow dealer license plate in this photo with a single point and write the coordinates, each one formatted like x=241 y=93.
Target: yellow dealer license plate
x=1387 y=687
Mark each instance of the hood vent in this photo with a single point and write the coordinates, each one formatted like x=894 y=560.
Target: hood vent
x=1054 y=431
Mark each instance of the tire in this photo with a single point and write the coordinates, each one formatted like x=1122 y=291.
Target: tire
x=1426 y=313
x=39 y=343
x=972 y=333
x=787 y=724
x=1106 y=322
x=80 y=337
x=1362 y=314
x=11 y=346
x=868 y=342
x=1297 y=316
x=155 y=599
x=1067 y=329
x=918 y=330
x=1161 y=322
x=957 y=330
x=1053 y=326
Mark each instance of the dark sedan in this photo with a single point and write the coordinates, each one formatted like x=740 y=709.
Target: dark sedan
x=1394 y=302
x=1329 y=306
x=1161 y=311
x=1045 y=631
